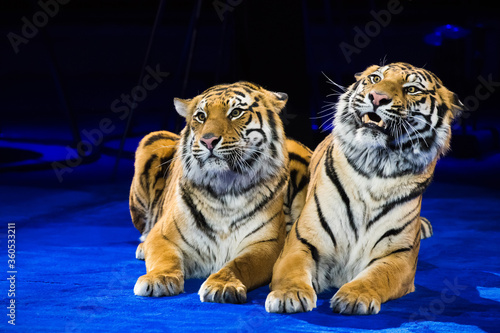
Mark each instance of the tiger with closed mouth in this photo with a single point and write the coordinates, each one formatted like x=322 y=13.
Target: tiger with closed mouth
x=215 y=201
x=360 y=228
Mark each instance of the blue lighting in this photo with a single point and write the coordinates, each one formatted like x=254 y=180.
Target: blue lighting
x=445 y=31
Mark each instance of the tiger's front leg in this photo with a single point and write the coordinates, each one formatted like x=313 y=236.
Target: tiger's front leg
x=291 y=286
x=386 y=278
x=164 y=266
x=251 y=269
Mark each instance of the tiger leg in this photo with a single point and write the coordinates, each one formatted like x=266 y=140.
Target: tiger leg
x=164 y=266
x=291 y=286
x=251 y=269
x=386 y=278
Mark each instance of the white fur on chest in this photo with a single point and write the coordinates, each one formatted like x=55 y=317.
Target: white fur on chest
x=230 y=223
x=226 y=247
x=348 y=220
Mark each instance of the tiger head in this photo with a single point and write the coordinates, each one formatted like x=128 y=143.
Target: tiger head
x=233 y=136
x=395 y=119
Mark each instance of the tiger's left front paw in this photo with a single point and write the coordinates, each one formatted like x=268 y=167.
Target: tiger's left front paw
x=355 y=299
x=219 y=288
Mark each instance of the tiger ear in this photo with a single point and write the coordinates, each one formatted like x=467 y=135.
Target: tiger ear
x=281 y=99
x=358 y=75
x=457 y=107
x=281 y=96
x=182 y=106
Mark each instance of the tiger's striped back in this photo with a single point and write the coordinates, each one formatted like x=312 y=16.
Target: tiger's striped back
x=147 y=193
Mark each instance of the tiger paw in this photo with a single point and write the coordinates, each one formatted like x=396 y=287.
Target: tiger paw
x=139 y=252
x=291 y=300
x=355 y=299
x=157 y=285
x=222 y=290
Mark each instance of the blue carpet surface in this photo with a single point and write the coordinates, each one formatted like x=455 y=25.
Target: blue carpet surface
x=76 y=269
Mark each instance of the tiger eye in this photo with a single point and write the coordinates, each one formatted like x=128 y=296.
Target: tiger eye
x=235 y=113
x=201 y=116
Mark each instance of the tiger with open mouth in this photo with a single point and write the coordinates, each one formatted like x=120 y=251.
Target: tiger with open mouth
x=360 y=228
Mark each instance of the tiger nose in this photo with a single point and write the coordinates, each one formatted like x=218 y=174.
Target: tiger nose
x=378 y=99
x=209 y=140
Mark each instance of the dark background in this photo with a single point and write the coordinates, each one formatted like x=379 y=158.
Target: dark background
x=65 y=78
x=62 y=122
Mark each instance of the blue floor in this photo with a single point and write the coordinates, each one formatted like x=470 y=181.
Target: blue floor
x=76 y=269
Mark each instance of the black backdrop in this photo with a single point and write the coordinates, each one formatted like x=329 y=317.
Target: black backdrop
x=87 y=54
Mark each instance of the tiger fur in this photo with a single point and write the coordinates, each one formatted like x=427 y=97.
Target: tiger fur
x=360 y=228
x=216 y=201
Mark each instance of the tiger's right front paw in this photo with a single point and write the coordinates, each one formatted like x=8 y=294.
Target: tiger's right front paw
x=157 y=285
x=291 y=301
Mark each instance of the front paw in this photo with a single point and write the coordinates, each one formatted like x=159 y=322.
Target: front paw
x=291 y=300
x=139 y=252
x=221 y=289
x=157 y=285
x=356 y=299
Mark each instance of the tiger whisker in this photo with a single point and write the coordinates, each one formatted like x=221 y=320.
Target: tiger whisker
x=323 y=116
x=240 y=161
x=396 y=133
x=328 y=104
x=330 y=109
x=344 y=89
x=425 y=122
x=260 y=152
x=408 y=133
x=418 y=133
x=335 y=93
x=328 y=123
x=176 y=156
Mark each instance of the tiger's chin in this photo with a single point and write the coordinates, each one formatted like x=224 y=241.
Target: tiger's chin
x=224 y=178
x=217 y=175
x=215 y=165
x=367 y=137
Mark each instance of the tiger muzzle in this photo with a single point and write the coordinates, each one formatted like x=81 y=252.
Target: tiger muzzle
x=373 y=121
x=209 y=141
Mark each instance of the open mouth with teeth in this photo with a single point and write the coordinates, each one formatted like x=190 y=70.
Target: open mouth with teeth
x=373 y=121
